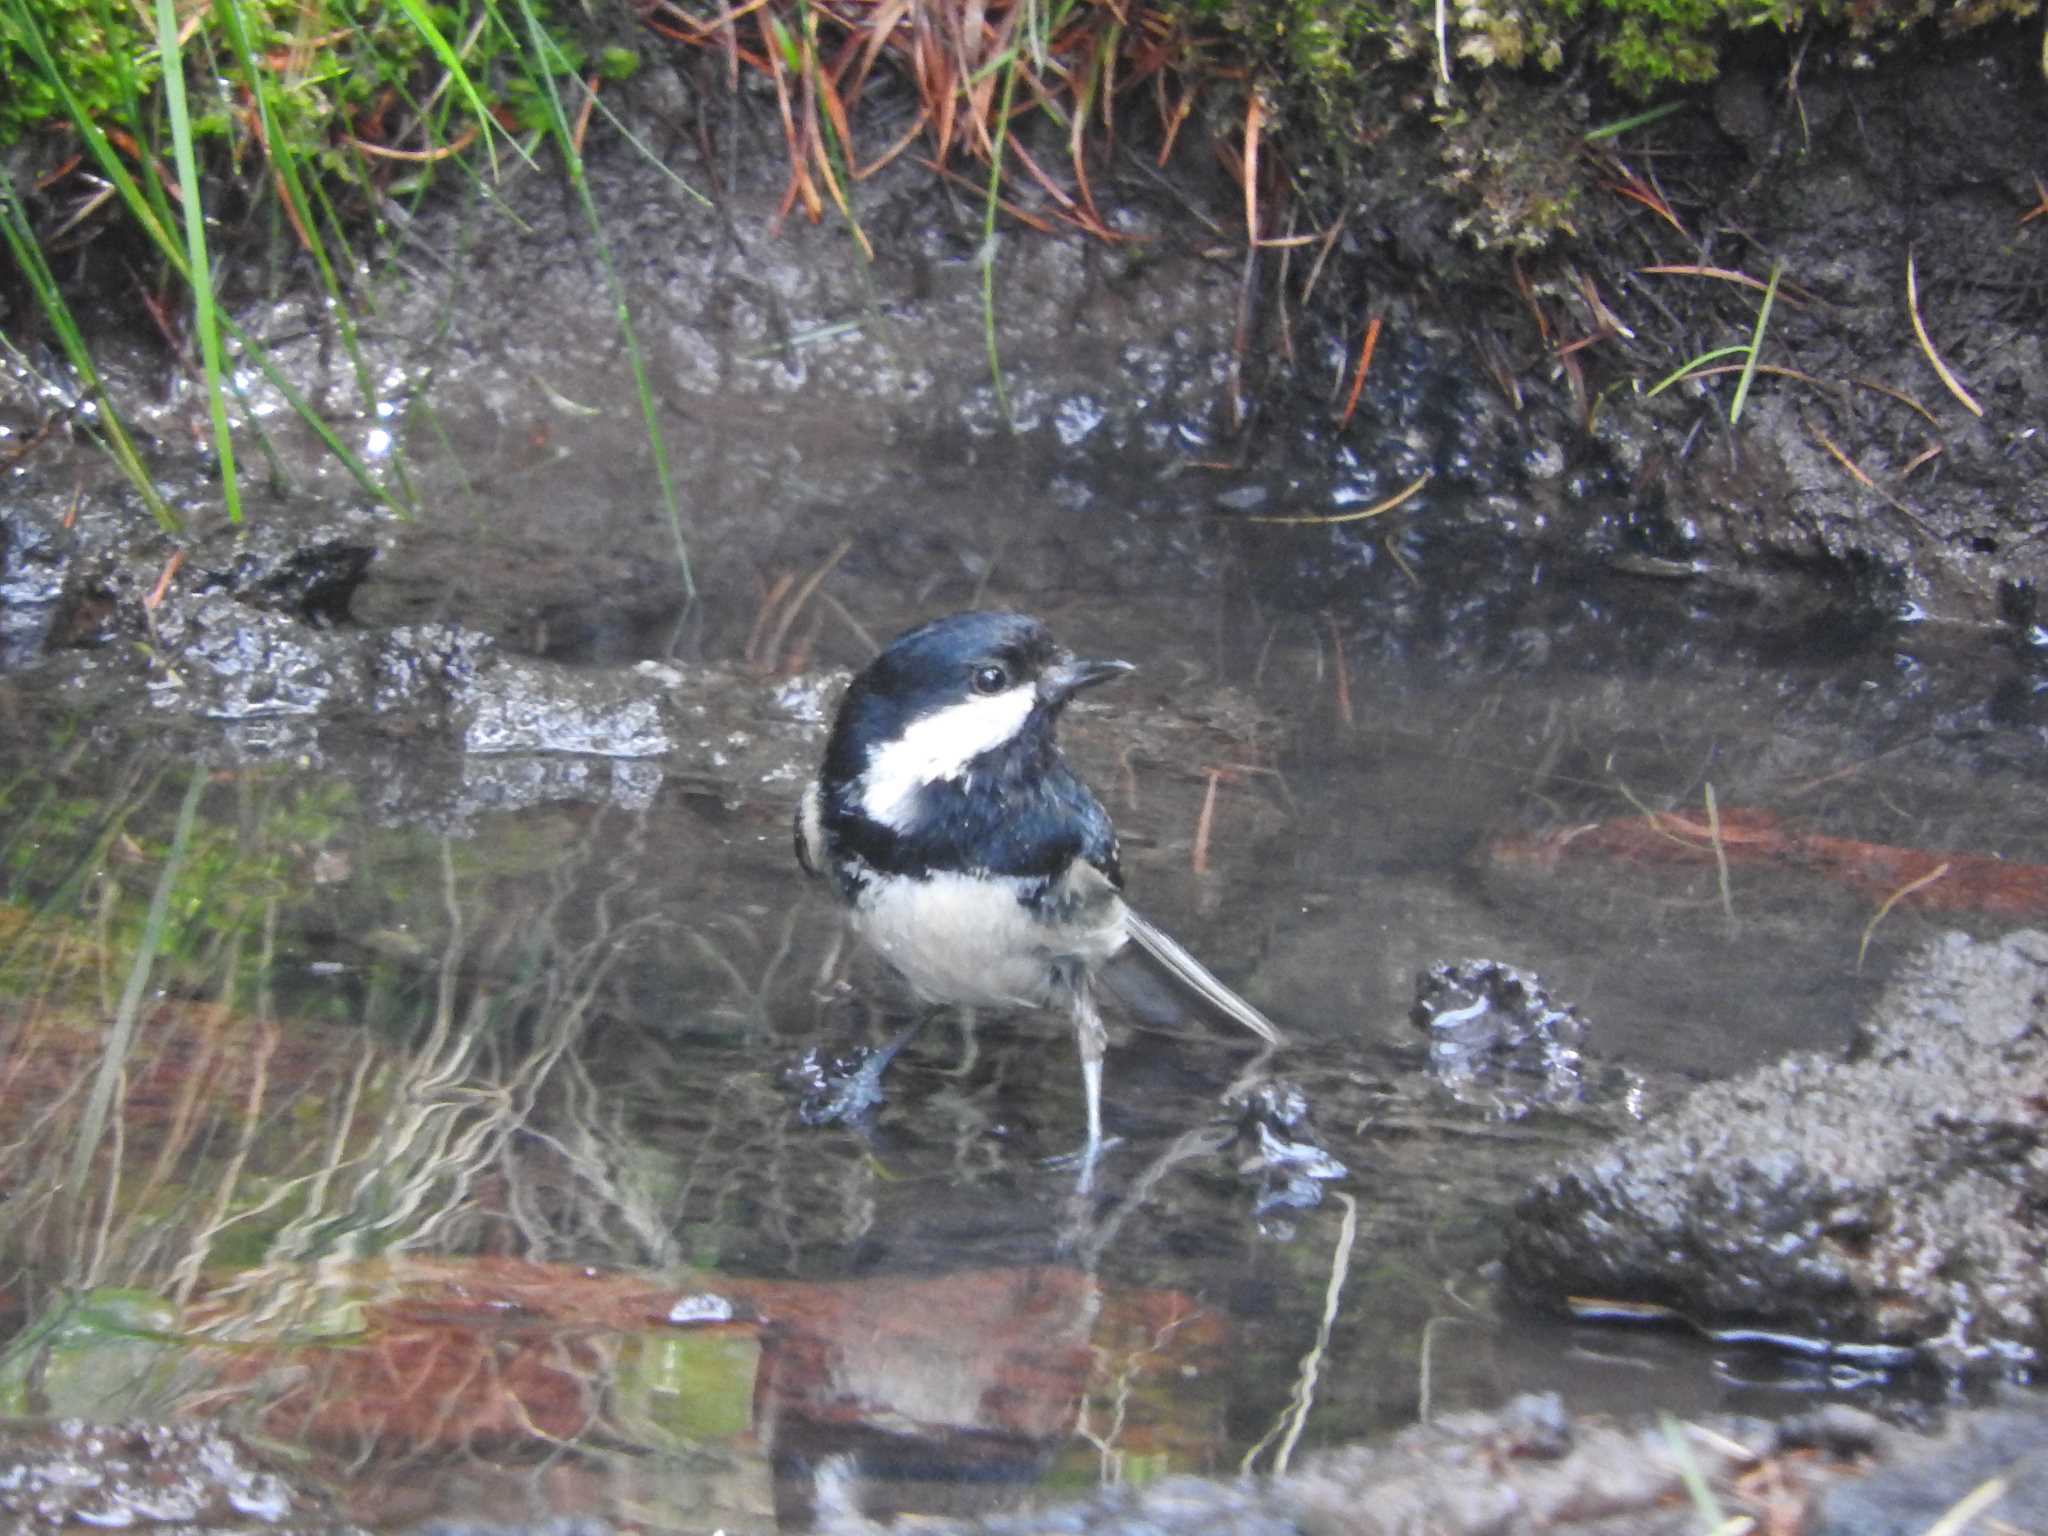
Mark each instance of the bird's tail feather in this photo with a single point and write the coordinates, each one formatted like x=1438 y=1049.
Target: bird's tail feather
x=1191 y=973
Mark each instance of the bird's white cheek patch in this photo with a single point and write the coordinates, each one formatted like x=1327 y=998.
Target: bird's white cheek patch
x=938 y=747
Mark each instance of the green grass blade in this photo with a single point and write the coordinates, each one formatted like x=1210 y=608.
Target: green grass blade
x=1756 y=343
x=28 y=257
x=303 y=408
x=991 y=203
x=141 y=124
x=120 y=1038
x=431 y=35
x=544 y=62
x=199 y=271
x=283 y=160
x=97 y=144
x=1640 y=120
x=1692 y=365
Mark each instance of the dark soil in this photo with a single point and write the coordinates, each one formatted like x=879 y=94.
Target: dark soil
x=1865 y=478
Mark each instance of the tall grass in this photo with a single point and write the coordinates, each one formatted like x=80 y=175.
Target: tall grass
x=252 y=105
x=28 y=256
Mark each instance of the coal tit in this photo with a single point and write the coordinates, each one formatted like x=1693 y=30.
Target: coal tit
x=970 y=855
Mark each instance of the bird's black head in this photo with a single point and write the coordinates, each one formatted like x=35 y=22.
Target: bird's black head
x=947 y=698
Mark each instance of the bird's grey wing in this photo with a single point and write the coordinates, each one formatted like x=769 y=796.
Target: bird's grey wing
x=1167 y=955
x=809 y=831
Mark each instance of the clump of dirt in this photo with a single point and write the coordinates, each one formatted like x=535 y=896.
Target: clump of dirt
x=1889 y=1199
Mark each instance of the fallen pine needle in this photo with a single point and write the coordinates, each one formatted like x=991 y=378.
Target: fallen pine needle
x=1885 y=907
x=1254 y=120
x=1313 y=519
x=1897 y=394
x=1955 y=385
x=773 y=650
x=1720 y=854
x=1931 y=451
x=1372 y=339
x=1198 y=860
x=1957 y=1517
x=1842 y=458
x=1723 y=274
x=163 y=582
x=1343 y=673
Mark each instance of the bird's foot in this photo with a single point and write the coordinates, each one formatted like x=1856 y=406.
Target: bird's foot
x=1083 y=1157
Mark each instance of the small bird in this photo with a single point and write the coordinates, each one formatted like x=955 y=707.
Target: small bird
x=971 y=855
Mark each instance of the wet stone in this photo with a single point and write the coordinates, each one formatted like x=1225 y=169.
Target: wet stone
x=1280 y=1154
x=841 y=1085
x=1909 y=1496
x=1530 y=1467
x=1499 y=1042
x=534 y=707
x=189 y=1477
x=226 y=661
x=1891 y=1198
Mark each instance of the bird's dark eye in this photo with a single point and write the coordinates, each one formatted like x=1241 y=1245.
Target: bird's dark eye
x=990 y=678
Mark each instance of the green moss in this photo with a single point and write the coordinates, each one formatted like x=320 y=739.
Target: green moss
x=93 y=54
x=1339 y=76
x=1315 y=57
x=326 y=69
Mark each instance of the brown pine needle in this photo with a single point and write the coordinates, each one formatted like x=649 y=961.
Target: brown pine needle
x=163 y=582
x=1931 y=451
x=1372 y=339
x=582 y=128
x=1884 y=907
x=1897 y=394
x=1786 y=293
x=772 y=652
x=446 y=151
x=1638 y=190
x=1254 y=120
x=1955 y=386
x=1343 y=674
x=1316 y=519
x=1843 y=459
x=1199 y=859
x=2039 y=209
x=777 y=590
x=1869 y=484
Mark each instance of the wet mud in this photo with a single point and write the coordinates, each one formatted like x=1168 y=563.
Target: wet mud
x=1882 y=1205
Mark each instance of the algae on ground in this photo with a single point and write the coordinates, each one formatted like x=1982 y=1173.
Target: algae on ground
x=1324 y=52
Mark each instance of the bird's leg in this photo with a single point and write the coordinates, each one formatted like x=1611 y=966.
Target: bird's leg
x=1093 y=1039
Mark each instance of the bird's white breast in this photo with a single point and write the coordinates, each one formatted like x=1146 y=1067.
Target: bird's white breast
x=938 y=747
x=962 y=938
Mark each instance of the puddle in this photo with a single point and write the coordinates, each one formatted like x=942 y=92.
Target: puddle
x=401 y=1008
x=429 y=1040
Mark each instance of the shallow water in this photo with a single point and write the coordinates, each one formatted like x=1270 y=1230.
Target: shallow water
x=445 y=1105
x=556 y=1031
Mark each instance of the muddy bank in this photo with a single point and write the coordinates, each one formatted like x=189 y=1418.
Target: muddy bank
x=1858 y=495
x=1878 y=1208
x=1533 y=1467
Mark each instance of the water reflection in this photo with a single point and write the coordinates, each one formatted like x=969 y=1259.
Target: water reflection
x=404 y=1105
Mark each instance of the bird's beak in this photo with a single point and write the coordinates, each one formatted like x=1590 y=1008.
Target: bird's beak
x=1064 y=679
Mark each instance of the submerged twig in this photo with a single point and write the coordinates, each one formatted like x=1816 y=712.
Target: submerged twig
x=1316 y=519
x=1290 y=1425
